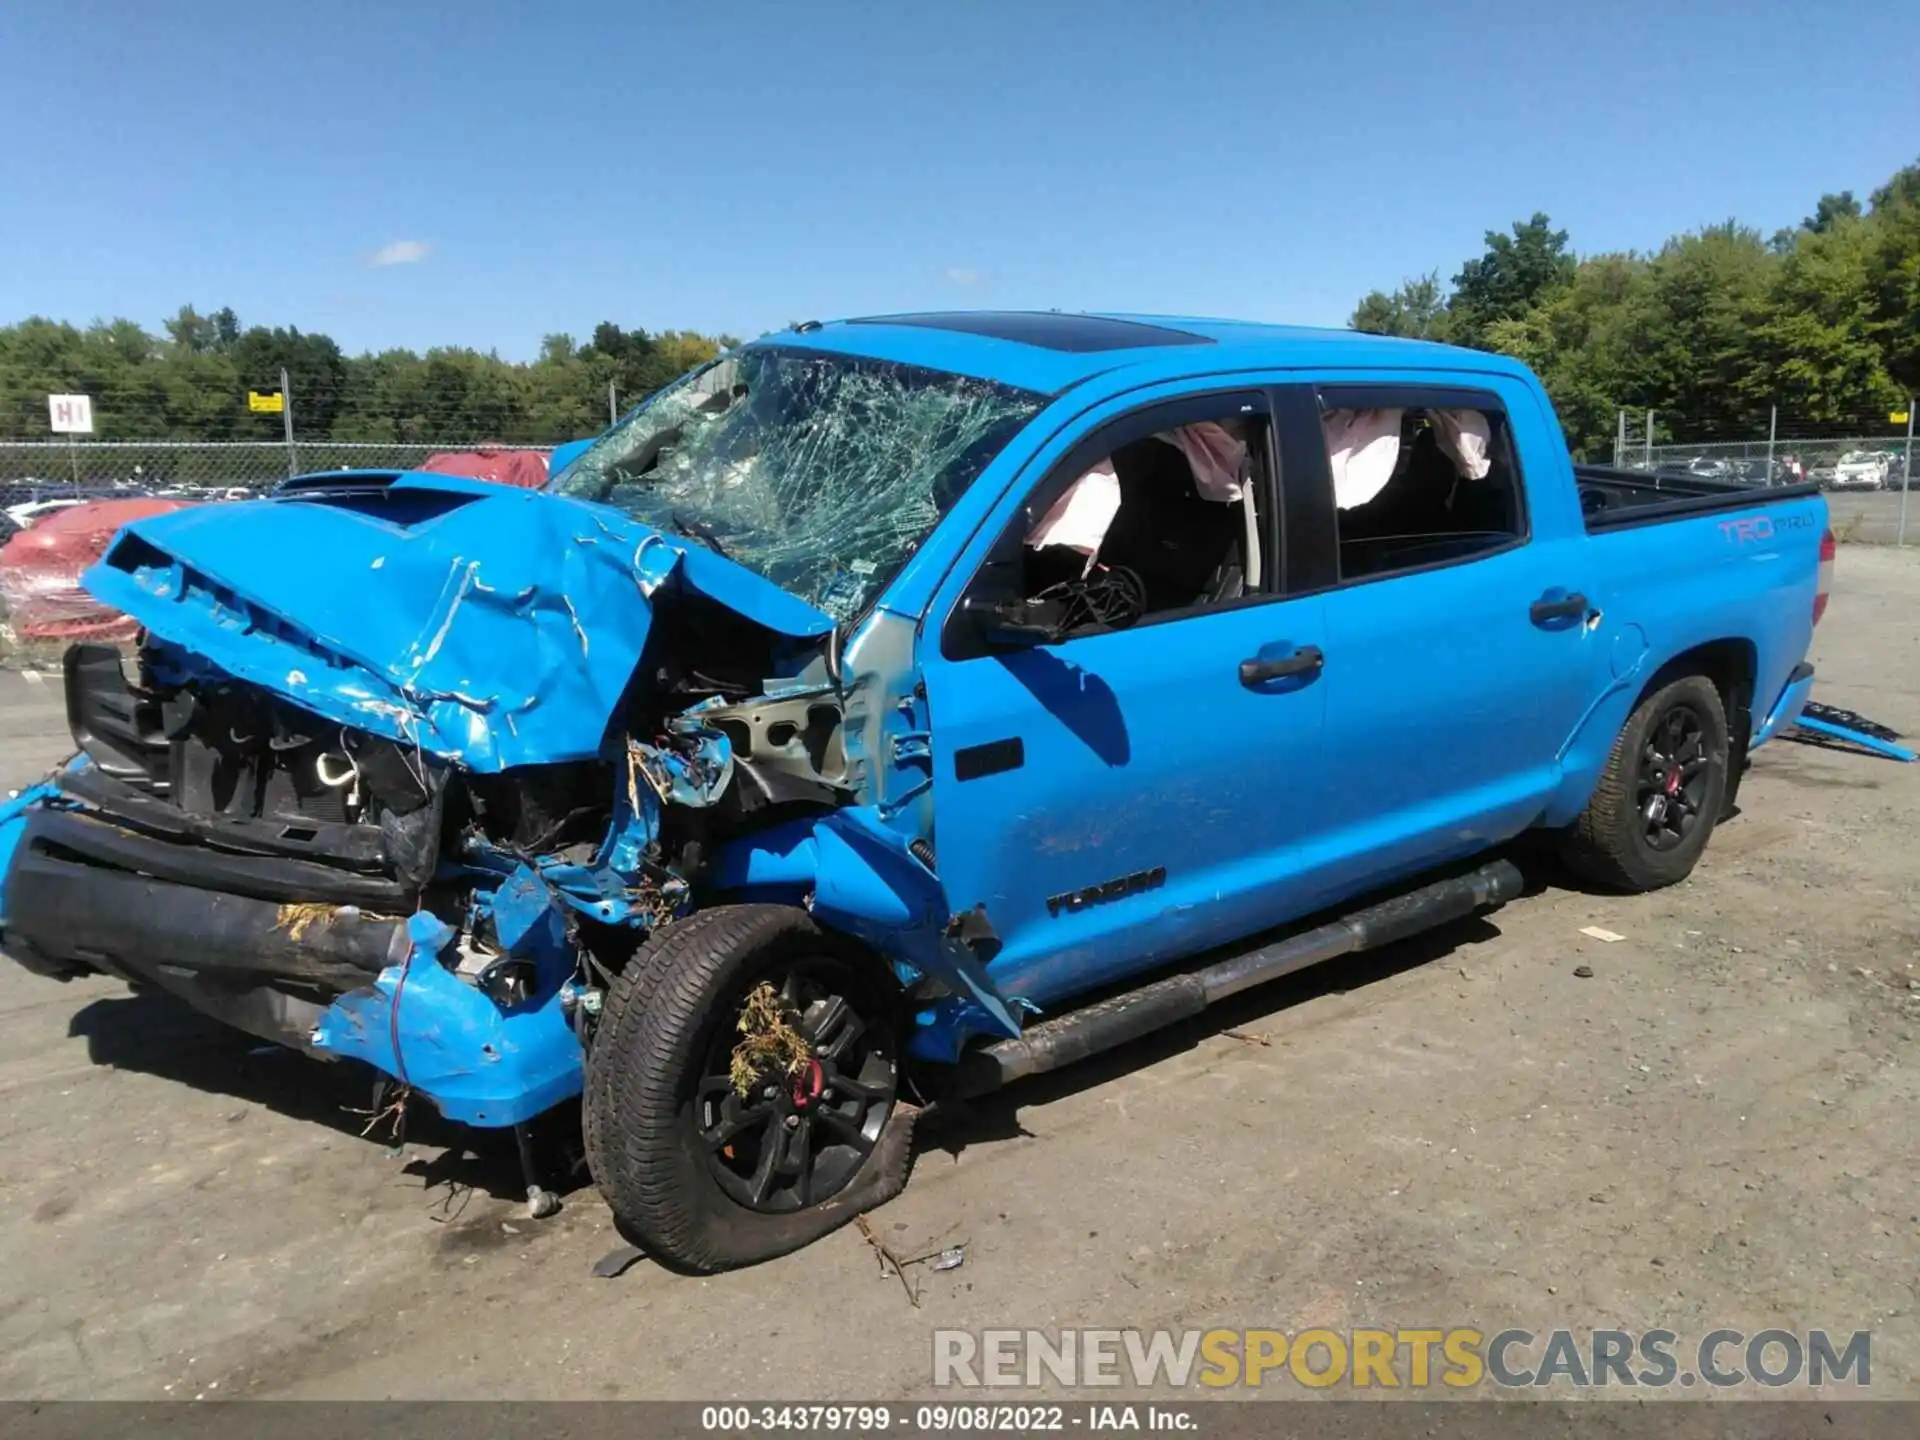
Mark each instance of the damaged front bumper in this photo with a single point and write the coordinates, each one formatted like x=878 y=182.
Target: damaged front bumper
x=488 y=1036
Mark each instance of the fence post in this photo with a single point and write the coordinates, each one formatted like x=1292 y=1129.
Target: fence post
x=1620 y=438
x=1650 y=415
x=1906 y=476
x=613 y=403
x=1773 y=431
x=286 y=422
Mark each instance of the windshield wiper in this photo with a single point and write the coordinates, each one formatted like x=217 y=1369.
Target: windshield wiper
x=697 y=530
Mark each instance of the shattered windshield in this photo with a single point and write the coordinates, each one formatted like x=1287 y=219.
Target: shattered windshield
x=822 y=473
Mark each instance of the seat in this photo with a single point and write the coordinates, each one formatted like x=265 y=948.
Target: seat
x=1185 y=549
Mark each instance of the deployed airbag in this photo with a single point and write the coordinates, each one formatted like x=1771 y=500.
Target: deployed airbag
x=1363 y=447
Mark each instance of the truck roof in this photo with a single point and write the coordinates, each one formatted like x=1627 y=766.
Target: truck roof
x=1051 y=351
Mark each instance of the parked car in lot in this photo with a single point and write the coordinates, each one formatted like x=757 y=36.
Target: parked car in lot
x=1761 y=472
x=844 y=718
x=1858 y=470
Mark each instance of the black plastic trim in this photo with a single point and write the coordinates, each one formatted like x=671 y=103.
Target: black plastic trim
x=1692 y=496
x=64 y=916
x=344 y=847
x=993 y=758
x=262 y=877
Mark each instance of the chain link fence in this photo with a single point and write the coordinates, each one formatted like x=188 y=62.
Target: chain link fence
x=1868 y=460
x=48 y=469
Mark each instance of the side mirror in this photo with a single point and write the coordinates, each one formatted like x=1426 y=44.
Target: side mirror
x=1013 y=621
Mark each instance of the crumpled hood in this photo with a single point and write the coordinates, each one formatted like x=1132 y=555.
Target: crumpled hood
x=491 y=626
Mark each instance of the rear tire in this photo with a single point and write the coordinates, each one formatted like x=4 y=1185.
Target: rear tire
x=703 y=1176
x=1662 y=790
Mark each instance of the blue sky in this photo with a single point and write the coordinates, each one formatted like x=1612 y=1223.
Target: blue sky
x=537 y=167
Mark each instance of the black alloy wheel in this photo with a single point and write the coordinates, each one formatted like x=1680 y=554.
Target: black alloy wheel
x=1674 y=777
x=804 y=1126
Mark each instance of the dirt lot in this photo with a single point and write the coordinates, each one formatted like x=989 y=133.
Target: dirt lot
x=1873 y=517
x=1716 y=1128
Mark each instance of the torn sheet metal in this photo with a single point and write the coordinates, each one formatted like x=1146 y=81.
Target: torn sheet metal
x=367 y=603
x=619 y=884
x=861 y=877
x=482 y=1062
x=785 y=746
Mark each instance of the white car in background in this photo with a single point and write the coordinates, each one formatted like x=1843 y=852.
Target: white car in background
x=1858 y=470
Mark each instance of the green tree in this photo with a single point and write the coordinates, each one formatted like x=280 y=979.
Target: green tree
x=316 y=372
x=1689 y=331
x=1580 y=344
x=1417 y=310
x=1893 y=276
x=1517 y=272
x=1831 y=211
x=1814 y=348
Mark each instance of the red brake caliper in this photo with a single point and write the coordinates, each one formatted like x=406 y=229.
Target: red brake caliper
x=808 y=1084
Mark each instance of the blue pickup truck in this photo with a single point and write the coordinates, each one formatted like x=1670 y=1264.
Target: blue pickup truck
x=887 y=710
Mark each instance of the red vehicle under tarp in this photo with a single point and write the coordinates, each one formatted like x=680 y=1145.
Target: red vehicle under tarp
x=40 y=571
x=524 y=469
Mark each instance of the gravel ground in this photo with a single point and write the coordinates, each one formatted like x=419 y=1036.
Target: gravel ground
x=1873 y=517
x=1714 y=1129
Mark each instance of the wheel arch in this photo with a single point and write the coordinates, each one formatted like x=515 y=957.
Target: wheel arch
x=1731 y=663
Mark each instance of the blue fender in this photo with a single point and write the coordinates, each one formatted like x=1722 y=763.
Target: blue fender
x=857 y=876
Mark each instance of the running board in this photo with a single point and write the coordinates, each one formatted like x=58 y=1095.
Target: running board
x=1114 y=1021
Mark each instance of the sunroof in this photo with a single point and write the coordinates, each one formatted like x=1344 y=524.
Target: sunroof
x=1080 y=334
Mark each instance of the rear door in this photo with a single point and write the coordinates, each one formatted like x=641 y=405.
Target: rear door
x=1128 y=793
x=1461 y=648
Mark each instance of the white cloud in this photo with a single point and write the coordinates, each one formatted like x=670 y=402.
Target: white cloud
x=401 y=252
x=961 y=275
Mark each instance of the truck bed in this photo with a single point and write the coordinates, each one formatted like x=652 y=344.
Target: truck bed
x=1616 y=499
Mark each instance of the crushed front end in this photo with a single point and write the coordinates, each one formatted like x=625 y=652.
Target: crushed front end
x=331 y=889
x=407 y=767
x=440 y=897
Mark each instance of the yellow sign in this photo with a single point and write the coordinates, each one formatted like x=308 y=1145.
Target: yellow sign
x=270 y=402
x=1898 y=417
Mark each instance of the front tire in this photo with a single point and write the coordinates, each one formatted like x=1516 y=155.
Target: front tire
x=717 y=1145
x=1661 y=792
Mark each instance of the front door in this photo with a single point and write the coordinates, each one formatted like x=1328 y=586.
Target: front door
x=1128 y=792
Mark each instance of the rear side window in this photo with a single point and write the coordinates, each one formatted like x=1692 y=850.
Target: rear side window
x=1419 y=478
